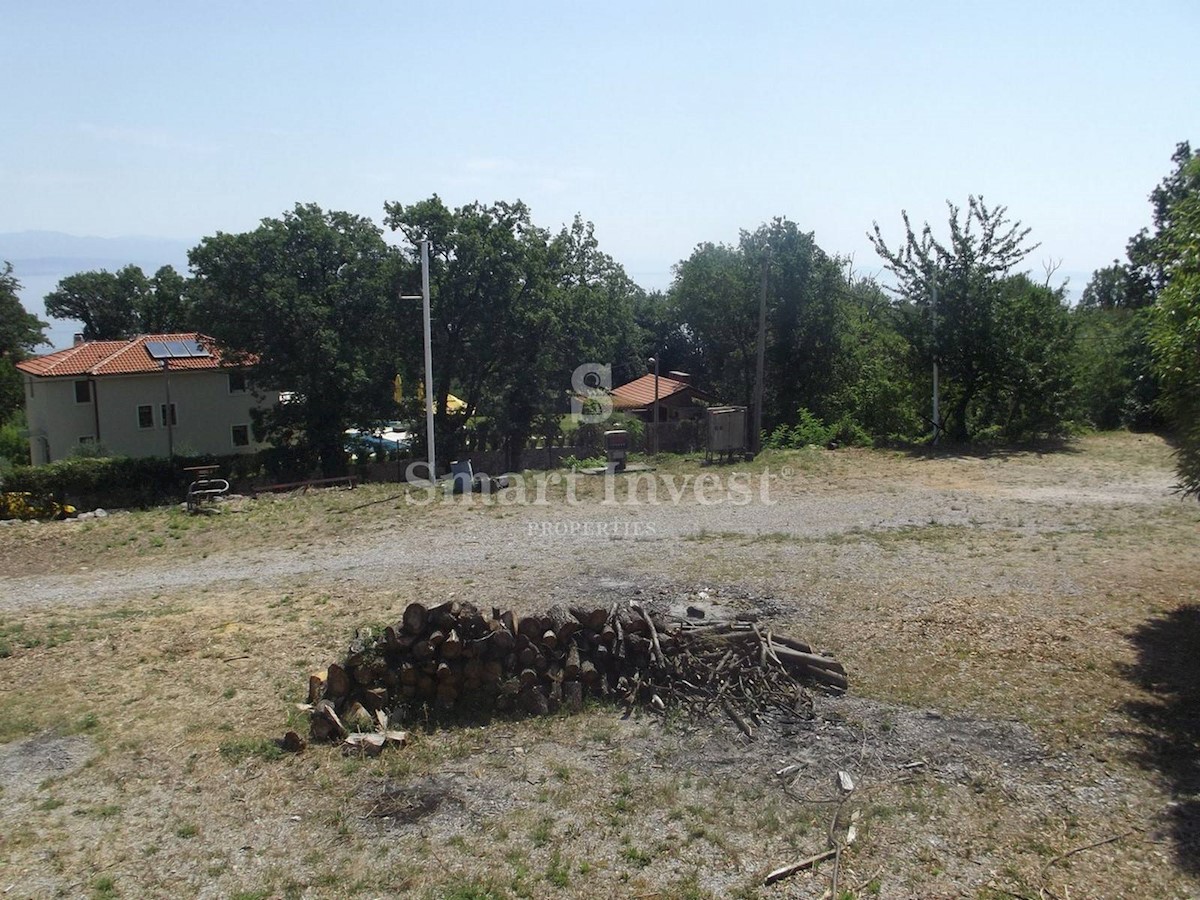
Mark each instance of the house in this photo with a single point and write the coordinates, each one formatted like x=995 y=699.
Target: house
x=153 y=395
x=678 y=398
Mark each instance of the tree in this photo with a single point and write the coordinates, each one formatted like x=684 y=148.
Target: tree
x=308 y=301
x=117 y=305
x=980 y=317
x=1175 y=334
x=1150 y=256
x=714 y=295
x=166 y=305
x=515 y=311
x=488 y=278
x=1107 y=289
x=20 y=333
x=831 y=345
x=105 y=302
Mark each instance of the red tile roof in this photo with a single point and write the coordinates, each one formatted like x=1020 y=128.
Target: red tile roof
x=640 y=392
x=93 y=358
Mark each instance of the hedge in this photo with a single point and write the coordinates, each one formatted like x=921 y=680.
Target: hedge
x=117 y=482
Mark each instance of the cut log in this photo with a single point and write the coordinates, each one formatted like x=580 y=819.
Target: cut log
x=587 y=672
x=592 y=619
x=414 y=618
x=509 y=620
x=337 y=683
x=534 y=701
x=571 y=668
x=445 y=615
x=316 y=685
x=531 y=627
x=452 y=647
x=572 y=696
x=811 y=660
x=562 y=621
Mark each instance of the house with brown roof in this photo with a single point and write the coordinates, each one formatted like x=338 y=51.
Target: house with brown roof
x=678 y=398
x=152 y=395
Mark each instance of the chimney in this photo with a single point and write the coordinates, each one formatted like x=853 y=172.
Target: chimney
x=78 y=338
x=680 y=376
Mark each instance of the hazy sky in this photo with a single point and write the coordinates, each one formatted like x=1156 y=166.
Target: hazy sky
x=666 y=124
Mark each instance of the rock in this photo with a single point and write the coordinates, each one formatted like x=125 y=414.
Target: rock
x=100 y=513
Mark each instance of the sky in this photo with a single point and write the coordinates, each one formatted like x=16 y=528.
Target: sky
x=665 y=124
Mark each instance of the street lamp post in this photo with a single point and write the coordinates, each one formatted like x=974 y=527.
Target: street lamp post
x=430 y=447
x=654 y=362
x=166 y=367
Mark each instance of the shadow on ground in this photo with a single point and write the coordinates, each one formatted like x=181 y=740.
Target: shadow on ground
x=1168 y=668
x=948 y=449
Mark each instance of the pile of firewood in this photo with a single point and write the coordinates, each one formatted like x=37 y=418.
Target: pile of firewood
x=452 y=655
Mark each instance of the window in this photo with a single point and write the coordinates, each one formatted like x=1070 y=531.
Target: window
x=87 y=440
x=83 y=392
x=237 y=382
x=162 y=414
x=241 y=435
x=146 y=416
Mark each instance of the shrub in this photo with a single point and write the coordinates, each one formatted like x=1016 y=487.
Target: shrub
x=809 y=429
x=14 y=443
x=119 y=482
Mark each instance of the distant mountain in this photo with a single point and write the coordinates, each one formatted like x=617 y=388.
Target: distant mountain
x=56 y=253
x=40 y=259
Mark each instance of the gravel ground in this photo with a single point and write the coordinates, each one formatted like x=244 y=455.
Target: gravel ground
x=468 y=538
x=1008 y=623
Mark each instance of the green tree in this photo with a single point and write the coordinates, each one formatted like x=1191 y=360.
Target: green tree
x=166 y=305
x=20 y=333
x=515 y=311
x=488 y=283
x=661 y=332
x=105 y=302
x=1175 y=334
x=1150 y=256
x=1107 y=289
x=116 y=305
x=308 y=301
x=1030 y=390
x=984 y=324
x=714 y=295
x=832 y=349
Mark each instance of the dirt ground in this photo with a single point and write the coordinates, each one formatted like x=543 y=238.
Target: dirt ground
x=1022 y=633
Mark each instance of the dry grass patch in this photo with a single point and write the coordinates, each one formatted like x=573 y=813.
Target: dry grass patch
x=1012 y=698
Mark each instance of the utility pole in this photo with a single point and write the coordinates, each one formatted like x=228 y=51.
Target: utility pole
x=654 y=435
x=166 y=364
x=430 y=449
x=756 y=438
x=429 y=440
x=937 y=421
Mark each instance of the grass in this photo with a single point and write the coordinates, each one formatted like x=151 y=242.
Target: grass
x=183 y=695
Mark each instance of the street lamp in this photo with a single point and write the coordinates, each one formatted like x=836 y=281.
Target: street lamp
x=653 y=361
x=424 y=298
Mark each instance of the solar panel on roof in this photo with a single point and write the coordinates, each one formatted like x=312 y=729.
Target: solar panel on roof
x=175 y=349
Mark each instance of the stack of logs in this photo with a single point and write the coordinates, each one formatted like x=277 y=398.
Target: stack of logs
x=452 y=655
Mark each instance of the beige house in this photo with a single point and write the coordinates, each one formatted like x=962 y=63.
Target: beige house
x=153 y=395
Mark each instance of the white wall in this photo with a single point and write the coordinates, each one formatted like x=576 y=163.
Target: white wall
x=205 y=413
x=56 y=422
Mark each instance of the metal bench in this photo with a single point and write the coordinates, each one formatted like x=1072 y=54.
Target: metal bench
x=206 y=486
